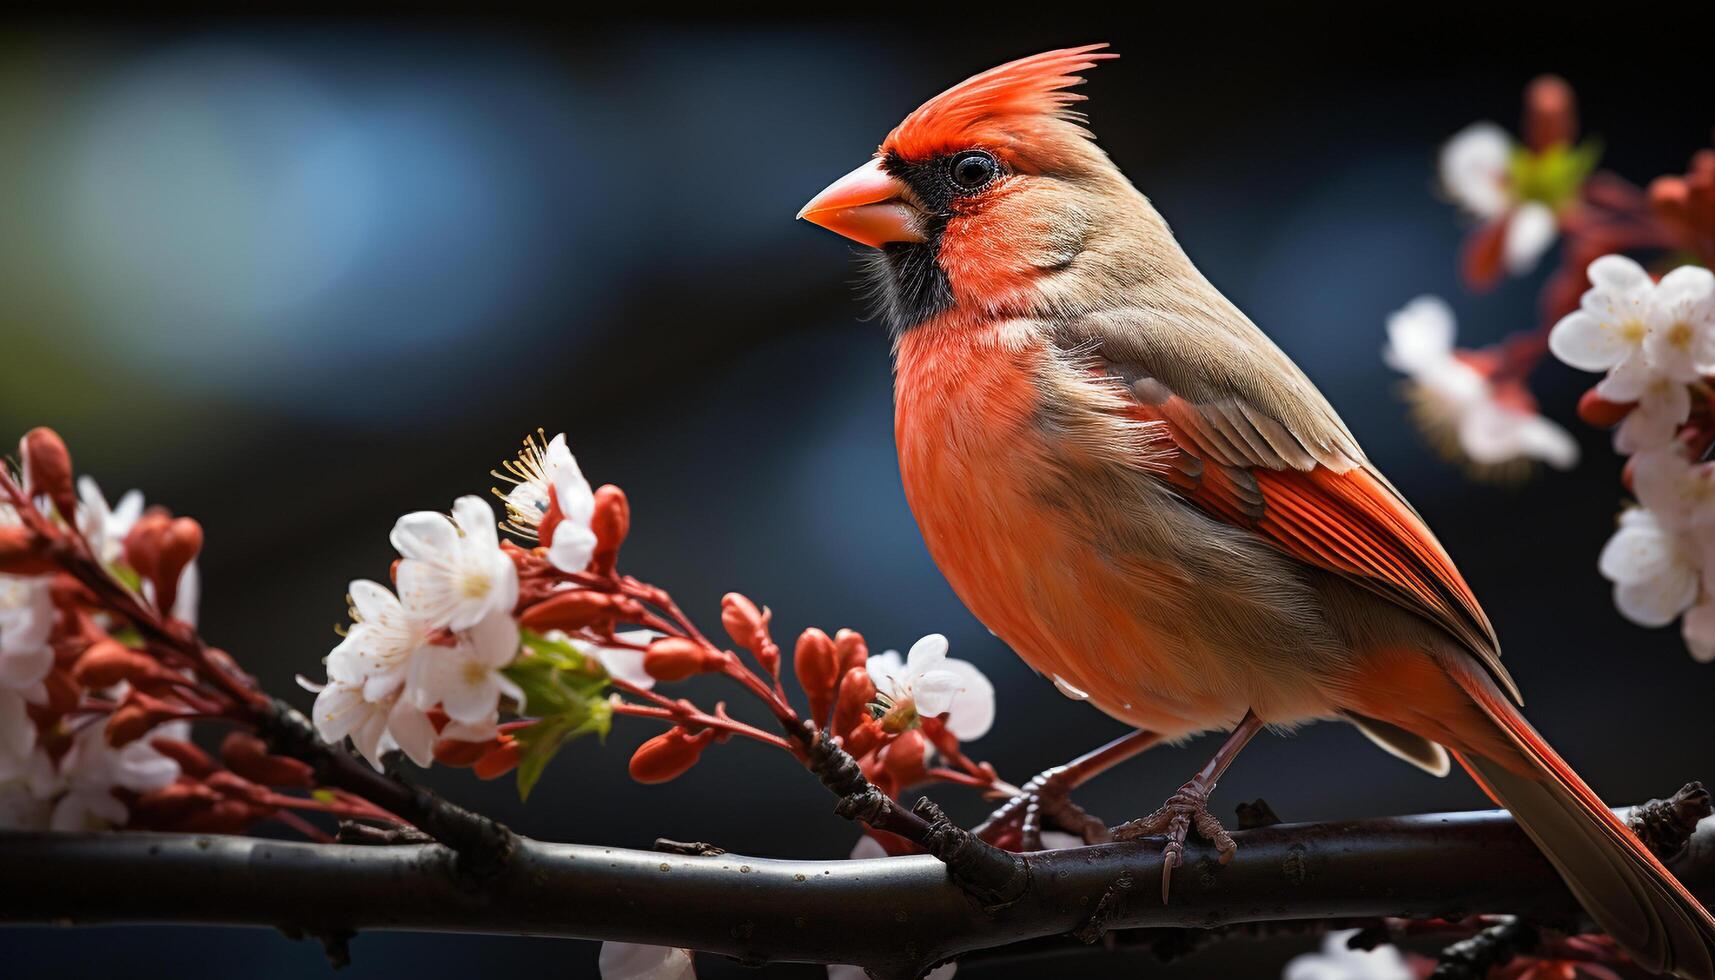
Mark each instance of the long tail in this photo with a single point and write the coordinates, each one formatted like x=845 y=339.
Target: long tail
x=1619 y=882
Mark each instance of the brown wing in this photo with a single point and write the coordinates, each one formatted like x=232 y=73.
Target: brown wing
x=1250 y=441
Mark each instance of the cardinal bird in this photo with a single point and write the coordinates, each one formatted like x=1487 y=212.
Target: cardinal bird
x=1135 y=489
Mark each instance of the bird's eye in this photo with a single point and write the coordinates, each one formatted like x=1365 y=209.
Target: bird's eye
x=972 y=171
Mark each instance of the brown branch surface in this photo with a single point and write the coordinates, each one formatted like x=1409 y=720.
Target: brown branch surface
x=762 y=910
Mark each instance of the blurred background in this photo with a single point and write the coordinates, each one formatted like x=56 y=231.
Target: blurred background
x=296 y=277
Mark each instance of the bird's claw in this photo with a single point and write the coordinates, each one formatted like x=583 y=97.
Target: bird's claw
x=1043 y=801
x=1185 y=810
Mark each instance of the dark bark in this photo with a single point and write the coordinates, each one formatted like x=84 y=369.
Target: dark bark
x=897 y=916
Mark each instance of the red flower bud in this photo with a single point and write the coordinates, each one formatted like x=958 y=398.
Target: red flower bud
x=903 y=758
x=19 y=554
x=143 y=543
x=746 y=624
x=180 y=542
x=64 y=692
x=1550 y=113
x=192 y=760
x=47 y=470
x=452 y=752
x=136 y=716
x=248 y=756
x=107 y=662
x=669 y=755
x=550 y=519
x=863 y=739
x=856 y=692
x=574 y=609
x=611 y=523
x=817 y=664
x=1481 y=257
x=1600 y=412
x=171 y=802
x=853 y=651
x=674 y=658
x=226 y=816
x=501 y=758
x=234 y=786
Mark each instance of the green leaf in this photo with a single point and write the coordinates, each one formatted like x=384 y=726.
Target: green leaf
x=541 y=741
x=1556 y=175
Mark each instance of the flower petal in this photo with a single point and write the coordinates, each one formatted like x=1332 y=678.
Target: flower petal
x=1474 y=165
x=424 y=535
x=973 y=710
x=1582 y=341
x=630 y=961
x=1530 y=231
x=926 y=654
x=1419 y=336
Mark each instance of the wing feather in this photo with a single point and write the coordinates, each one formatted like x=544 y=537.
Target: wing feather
x=1254 y=444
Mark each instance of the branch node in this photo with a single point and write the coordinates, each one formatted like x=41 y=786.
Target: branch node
x=1096 y=926
x=1496 y=946
x=1665 y=826
x=1255 y=815
x=358 y=832
x=689 y=848
x=994 y=877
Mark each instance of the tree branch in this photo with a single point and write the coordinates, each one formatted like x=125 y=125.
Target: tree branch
x=763 y=910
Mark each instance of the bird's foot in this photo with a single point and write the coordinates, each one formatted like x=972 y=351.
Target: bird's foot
x=1044 y=801
x=1185 y=810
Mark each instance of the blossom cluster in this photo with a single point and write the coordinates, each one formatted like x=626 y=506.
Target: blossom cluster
x=1650 y=331
x=492 y=654
x=1655 y=341
x=95 y=728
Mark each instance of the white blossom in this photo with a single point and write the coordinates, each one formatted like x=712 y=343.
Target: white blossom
x=1338 y=961
x=102 y=526
x=545 y=474
x=1652 y=339
x=379 y=644
x=935 y=684
x=91 y=770
x=1488 y=424
x=1654 y=570
x=1475 y=169
x=1476 y=172
x=374 y=727
x=1698 y=629
x=454 y=573
x=633 y=961
x=467 y=679
x=27 y=792
x=619 y=662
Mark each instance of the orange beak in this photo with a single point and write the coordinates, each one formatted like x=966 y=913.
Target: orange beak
x=866 y=205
